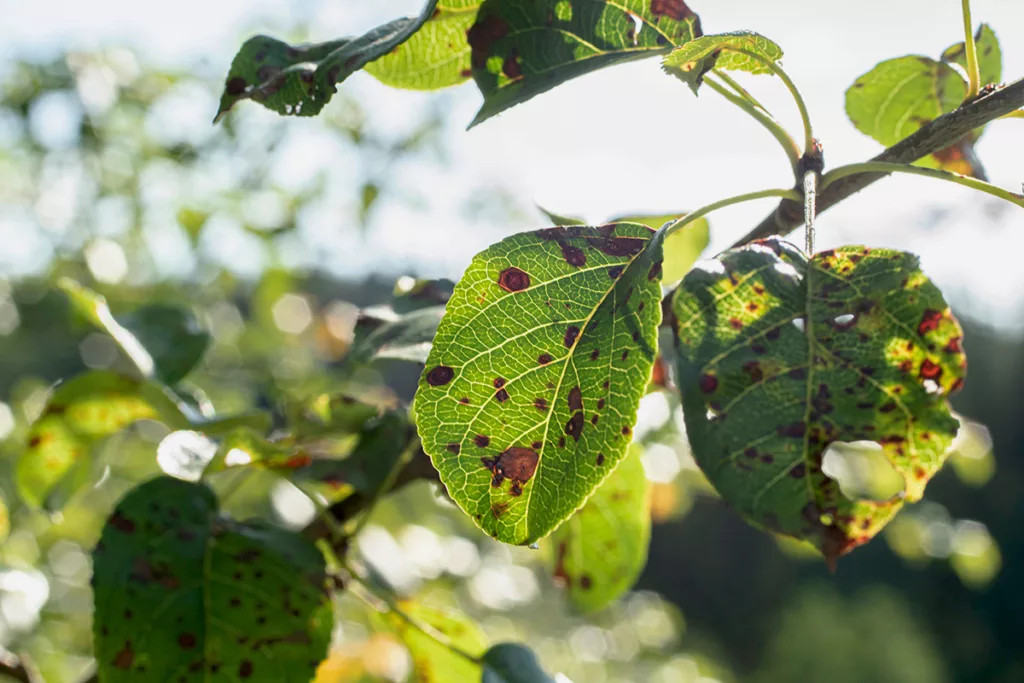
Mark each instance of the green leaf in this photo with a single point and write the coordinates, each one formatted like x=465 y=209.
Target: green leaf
x=93 y=307
x=601 y=550
x=558 y=219
x=694 y=59
x=682 y=248
x=300 y=80
x=407 y=338
x=522 y=48
x=172 y=337
x=990 y=55
x=431 y=660
x=183 y=594
x=513 y=663
x=436 y=56
x=781 y=356
x=79 y=414
x=531 y=389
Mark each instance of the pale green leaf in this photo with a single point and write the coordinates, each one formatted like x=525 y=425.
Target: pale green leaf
x=186 y=595
x=522 y=48
x=431 y=660
x=740 y=51
x=990 y=55
x=780 y=356
x=531 y=389
x=600 y=551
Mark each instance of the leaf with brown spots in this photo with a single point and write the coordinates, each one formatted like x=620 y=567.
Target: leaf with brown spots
x=553 y=383
x=436 y=56
x=599 y=552
x=299 y=80
x=852 y=345
x=522 y=48
x=432 y=662
x=180 y=589
x=739 y=51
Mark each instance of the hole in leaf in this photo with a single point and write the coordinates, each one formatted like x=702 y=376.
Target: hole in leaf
x=932 y=387
x=845 y=320
x=799 y=324
x=862 y=471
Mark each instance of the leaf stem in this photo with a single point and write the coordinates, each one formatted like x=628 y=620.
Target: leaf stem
x=886 y=167
x=791 y=86
x=810 y=199
x=670 y=228
x=740 y=90
x=973 y=70
x=789 y=145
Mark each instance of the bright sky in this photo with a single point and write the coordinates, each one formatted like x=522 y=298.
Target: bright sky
x=630 y=139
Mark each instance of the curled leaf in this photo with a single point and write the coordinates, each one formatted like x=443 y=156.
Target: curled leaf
x=739 y=51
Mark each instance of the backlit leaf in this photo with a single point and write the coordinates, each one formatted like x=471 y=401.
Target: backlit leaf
x=990 y=55
x=531 y=389
x=185 y=595
x=522 y=48
x=431 y=660
x=513 y=663
x=600 y=551
x=299 y=80
x=779 y=357
x=79 y=414
x=436 y=56
x=740 y=51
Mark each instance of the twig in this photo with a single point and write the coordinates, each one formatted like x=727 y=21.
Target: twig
x=937 y=135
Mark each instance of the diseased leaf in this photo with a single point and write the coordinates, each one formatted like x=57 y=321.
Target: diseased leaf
x=79 y=414
x=899 y=96
x=990 y=55
x=436 y=56
x=739 y=51
x=781 y=356
x=300 y=80
x=600 y=551
x=522 y=48
x=513 y=663
x=531 y=389
x=431 y=660
x=181 y=591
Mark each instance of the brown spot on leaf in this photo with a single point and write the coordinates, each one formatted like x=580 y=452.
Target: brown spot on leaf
x=615 y=272
x=122 y=523
x=517 y=464
x=674 y=9
x=625 y=430
x=575 y=399
x=235 y=86
x=544 y=358
x=511 y=67
x=795 y=430
x=187 y=641
x=954 y=345
x=655 y=272
x=798 y=471
x=736 y=323
x=708 y=383
x=540 y=403
x=571 y=333
x=594 y=354
x=513 y=279
x=753 y=369
x=440 y=375
x=482 y=35
x=930 y=370
x=501 y=395
x=482 y=441
x=574 y=427
x=929 y=321
x=585 y=582
x=454 y=448
x=574 y=256
x=124 y=658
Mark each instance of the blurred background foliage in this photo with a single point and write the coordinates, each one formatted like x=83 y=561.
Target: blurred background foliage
x=111 y=174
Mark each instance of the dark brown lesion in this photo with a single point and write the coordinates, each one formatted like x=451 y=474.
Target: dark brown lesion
x=513 y=279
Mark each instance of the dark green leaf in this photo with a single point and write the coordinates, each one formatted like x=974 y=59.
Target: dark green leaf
x=531 y=389
x=513 y=663
x=412 y=294
x=600 y=551
x=990 y=55
x=740 y=51
x=522 y=48
x=779 y=357
x=93 y=307
x=78 y=415
x=436 y=56
x=431 y=660
x=407 y=338
x=172 y=337
x=300 y=80
x=185 y=595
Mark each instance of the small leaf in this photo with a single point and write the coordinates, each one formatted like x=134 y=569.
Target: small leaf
x=522 y=48
x=300 y=80
x=436 y=56
x=79 y=414
x=180 y=589
x=407 y=338
x=431 y=660
x=531 y=389
x=600 y=551
x=559 y=219
x=513 y=663
x=990 y=55
x=694 y=59
x=781 y=356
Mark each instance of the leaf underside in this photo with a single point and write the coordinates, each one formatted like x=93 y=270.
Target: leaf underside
x=522 y=48
x=529 y=396
x=692 y=61
x=184 y=595
x=781 y=356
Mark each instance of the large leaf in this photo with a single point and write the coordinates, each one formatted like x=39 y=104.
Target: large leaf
x=436 y=56
x=522 y=48
x=433 y=662
x=781 y=356
x=600 y=551
x=184 y=595
x=79 y=414
x=299 y=80
x=740 y=51
x=513 y=663
x=990 y=55
x=530 y=392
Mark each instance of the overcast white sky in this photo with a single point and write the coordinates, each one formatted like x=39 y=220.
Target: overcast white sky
x=631 y=139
